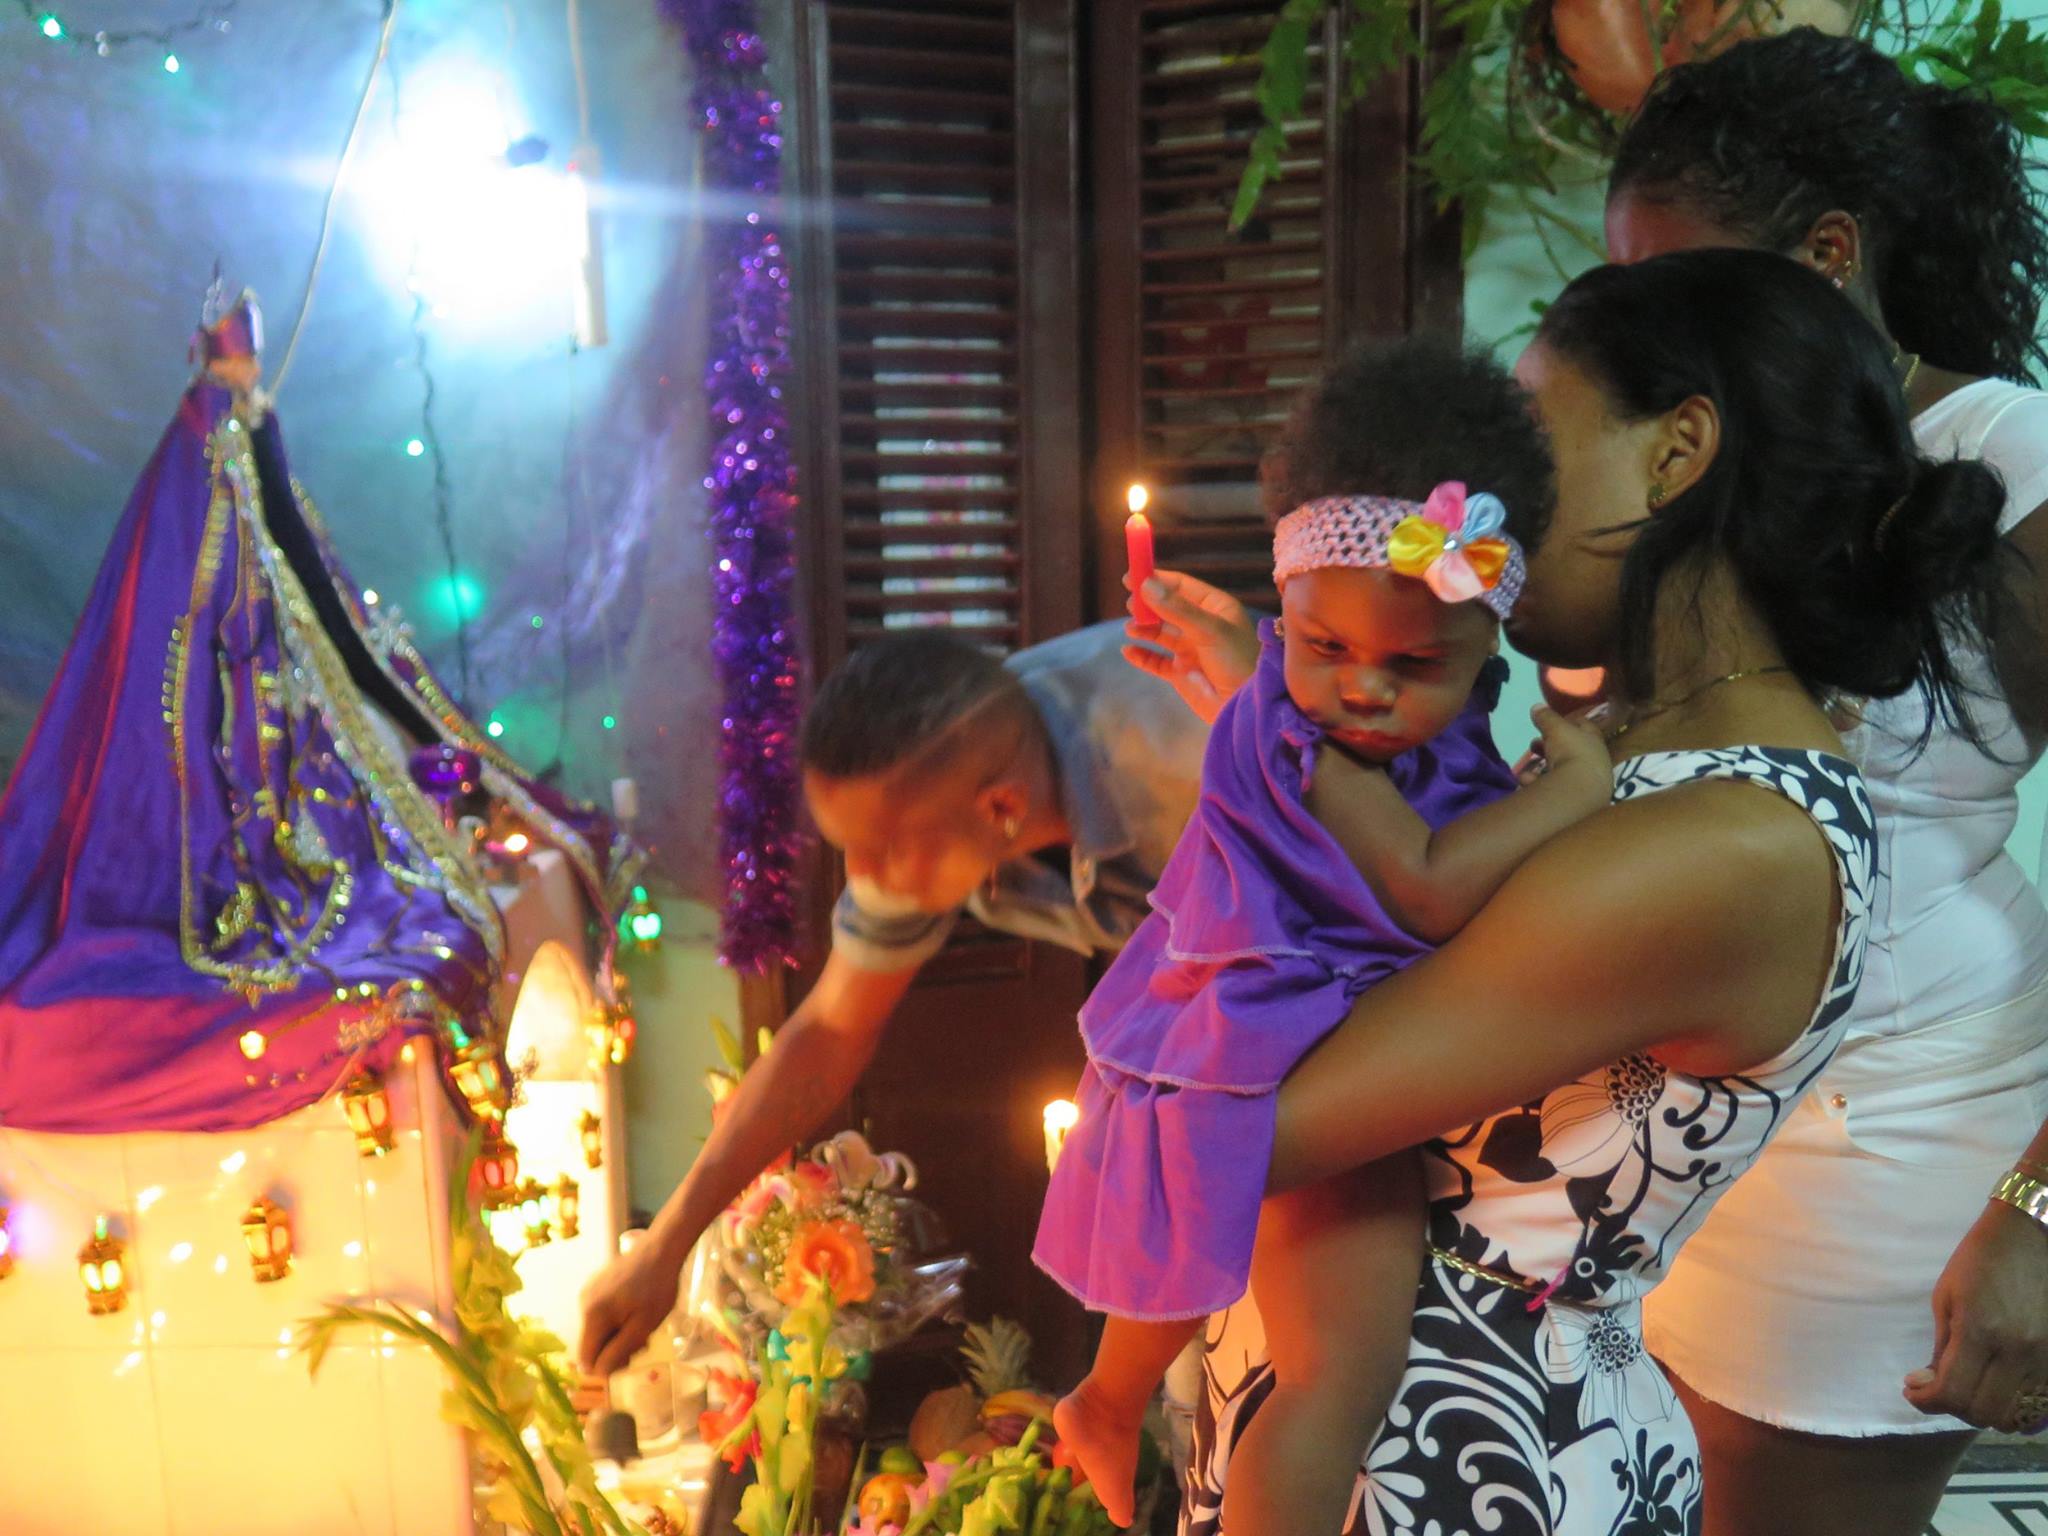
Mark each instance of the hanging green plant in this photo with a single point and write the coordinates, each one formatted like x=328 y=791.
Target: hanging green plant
x=1531 y=100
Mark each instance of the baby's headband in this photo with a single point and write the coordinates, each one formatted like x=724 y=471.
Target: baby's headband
x=1454 y=542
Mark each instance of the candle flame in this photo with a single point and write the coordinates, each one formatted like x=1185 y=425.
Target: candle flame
x=1137 y=498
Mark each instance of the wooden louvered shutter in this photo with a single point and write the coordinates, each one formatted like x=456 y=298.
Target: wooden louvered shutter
x=932 y=330
x=939 y=314
x=1205 y=336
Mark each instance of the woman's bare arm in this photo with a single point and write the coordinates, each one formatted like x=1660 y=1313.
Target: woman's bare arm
x=1698 y=923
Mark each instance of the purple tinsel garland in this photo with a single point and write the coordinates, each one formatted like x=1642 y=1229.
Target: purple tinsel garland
x=752 y=484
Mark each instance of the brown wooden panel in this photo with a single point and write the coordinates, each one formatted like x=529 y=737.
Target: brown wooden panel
x=1205 y=337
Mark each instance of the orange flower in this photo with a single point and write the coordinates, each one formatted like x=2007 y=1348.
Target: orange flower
x=714 y=1424
x=837 y=1252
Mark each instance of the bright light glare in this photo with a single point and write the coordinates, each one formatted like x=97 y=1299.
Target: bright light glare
x=483 y=243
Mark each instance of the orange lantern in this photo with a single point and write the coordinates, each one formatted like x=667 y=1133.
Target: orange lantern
x=267 y=1229
x=368 y=1107
x=480 y=1077
x=590 y=1131
x=497 y=1167
x=100 y=1267
x=568 y=1207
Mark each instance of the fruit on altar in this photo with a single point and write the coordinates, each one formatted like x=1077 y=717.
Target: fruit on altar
x=980 y=1443
x=943 y=1420
x=885 y=1499
x=900 y=1458
x=1008 y=1414
x=998 y=1357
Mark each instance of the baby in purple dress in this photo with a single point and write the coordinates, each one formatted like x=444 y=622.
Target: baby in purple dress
x=1293 y=889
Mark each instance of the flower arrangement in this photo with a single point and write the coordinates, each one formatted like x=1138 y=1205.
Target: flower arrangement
x=840 y=1216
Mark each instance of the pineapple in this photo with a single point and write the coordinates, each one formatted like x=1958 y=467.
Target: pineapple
x=998 y=1357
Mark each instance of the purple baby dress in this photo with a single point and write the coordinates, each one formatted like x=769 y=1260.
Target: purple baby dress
x=1261 y=934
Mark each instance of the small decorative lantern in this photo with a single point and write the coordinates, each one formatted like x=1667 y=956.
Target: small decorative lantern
x=497 y=1168
x=1061 y=1116
x=613 y=1029
x=100 y=1267
x=267 y=1229
x=590 y=1131
x=533 y=1210
x=6 y=1246
x=568 y=1207
x=641 y=921
x=481 y=1079
x=368 y=1107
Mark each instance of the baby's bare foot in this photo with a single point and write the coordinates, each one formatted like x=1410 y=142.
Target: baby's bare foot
x=1102 y=1436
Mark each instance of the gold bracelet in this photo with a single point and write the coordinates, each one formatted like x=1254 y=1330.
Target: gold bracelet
x=2025 y=1194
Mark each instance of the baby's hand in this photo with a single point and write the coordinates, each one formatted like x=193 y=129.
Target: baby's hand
x=1575 y=756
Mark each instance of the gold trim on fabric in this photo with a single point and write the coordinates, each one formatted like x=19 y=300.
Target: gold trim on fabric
x=1481 y=1272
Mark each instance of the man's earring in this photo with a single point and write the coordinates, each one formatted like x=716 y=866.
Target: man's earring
x=1656 y=494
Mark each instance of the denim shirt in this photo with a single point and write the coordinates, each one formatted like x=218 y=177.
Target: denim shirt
x=1128 y=756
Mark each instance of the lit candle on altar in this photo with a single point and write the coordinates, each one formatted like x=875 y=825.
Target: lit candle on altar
x=1138 y=551
x=1061 y=1116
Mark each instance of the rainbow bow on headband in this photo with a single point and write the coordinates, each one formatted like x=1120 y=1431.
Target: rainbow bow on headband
x=1458 y=544
x=1454 y=543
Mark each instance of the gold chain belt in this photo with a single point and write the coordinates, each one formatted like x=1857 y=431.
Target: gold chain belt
x=1481 y=1272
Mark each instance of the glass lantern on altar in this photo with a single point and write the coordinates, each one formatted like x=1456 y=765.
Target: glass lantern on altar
x=267 y=1231
x=367 y=1104
x=480 y=1077
x=568 y=1207
x=497 y=1168
x=100 y=1268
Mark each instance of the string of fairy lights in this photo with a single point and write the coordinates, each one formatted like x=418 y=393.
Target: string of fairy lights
x=108 y=41
x=455 y=592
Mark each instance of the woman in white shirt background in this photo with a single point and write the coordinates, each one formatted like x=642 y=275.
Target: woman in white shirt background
x=1857 y=1301
x=1859 y=1304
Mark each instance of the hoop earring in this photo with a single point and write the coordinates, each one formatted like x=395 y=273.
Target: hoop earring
x=1010 y=829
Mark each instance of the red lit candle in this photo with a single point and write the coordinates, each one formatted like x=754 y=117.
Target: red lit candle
x=1138 y=553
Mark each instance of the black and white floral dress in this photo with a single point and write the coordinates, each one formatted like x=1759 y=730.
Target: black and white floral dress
x=1530 y=1407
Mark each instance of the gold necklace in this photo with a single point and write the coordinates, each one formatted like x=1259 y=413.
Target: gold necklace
x=1664 y=709
x=1912 y=368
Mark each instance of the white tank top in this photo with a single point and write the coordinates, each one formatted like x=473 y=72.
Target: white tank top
x=1955 y=926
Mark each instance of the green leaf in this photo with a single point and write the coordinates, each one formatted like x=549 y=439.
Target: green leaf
x=728 y=1045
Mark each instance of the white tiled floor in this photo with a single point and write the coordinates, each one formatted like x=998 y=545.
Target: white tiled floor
x=1995 y=1504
